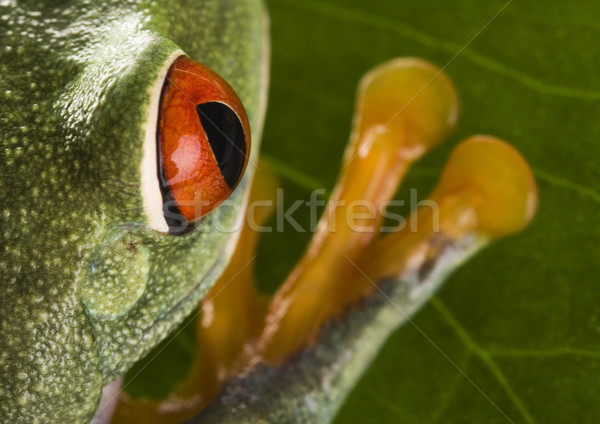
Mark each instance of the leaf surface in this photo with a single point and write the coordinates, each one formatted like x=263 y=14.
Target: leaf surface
x=514 y=334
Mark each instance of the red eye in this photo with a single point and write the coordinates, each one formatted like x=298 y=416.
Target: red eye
x=203 y=143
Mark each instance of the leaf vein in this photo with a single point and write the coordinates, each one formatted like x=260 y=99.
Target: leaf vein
x=568 y=184
x=445 y=403
x=364 y=18
x=293 y=175
x=483 y=355
x=544 y=353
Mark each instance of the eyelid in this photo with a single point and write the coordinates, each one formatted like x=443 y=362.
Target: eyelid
x=150 y=187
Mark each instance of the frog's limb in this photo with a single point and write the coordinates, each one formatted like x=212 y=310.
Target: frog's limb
x=404 y=108
x=402 y=271
x=351 y=290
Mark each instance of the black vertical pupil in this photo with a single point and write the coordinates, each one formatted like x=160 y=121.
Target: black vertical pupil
x=225 y=134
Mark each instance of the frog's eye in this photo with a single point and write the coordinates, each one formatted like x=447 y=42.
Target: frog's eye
x=202 y=145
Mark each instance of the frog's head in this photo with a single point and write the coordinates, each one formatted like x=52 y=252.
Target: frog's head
x=103 y=251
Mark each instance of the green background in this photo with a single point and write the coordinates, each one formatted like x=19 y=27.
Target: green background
x=522 y=318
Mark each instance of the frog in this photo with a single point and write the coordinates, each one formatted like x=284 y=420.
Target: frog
x=91 y=279
x=110 y=236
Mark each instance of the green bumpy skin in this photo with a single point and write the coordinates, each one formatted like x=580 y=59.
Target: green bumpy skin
x=87 y=287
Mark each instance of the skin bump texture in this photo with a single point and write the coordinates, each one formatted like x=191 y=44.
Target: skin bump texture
x=87 y=285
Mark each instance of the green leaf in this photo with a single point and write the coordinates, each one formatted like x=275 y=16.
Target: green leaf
x=514 y=335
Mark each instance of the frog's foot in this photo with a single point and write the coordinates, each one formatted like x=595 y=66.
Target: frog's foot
x=295 y=357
